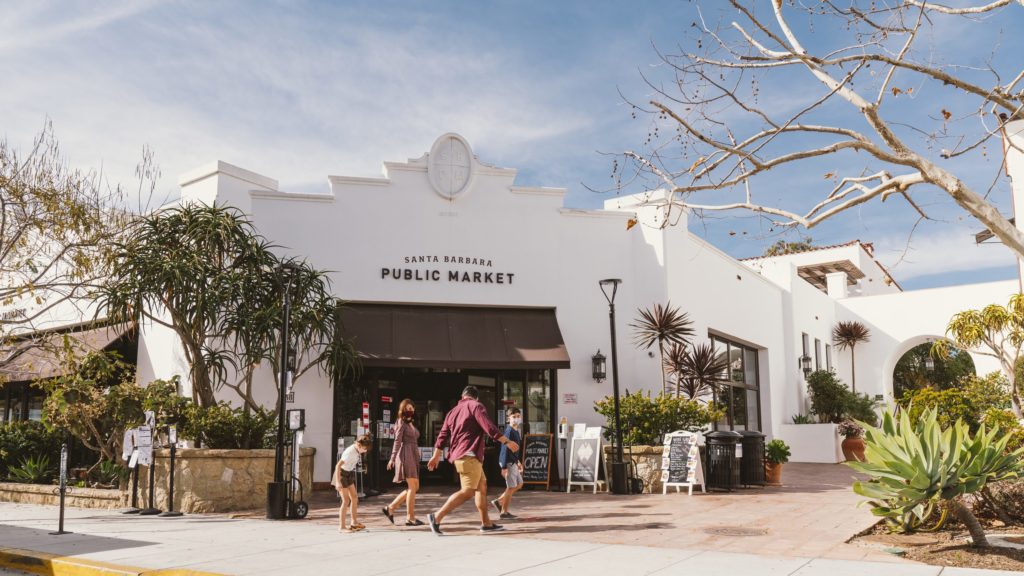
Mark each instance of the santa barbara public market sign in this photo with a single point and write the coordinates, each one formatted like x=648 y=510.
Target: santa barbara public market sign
x=411 y=270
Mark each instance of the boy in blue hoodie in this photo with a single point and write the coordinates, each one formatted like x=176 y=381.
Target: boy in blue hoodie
x=511 y=464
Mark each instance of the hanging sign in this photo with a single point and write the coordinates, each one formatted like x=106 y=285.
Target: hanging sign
x=537 y=459
x=680 y=463
x=584 y=459
x=386 y=399
x=144 y=443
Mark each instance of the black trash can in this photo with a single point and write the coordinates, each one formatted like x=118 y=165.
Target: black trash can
x=721 y=448
x=752 y=460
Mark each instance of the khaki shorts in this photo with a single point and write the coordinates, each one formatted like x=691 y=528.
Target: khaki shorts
x=471 y=471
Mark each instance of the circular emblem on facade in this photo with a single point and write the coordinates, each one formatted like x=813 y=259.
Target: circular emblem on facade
x=450 y=166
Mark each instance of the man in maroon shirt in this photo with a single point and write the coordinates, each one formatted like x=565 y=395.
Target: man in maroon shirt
x=463 y=430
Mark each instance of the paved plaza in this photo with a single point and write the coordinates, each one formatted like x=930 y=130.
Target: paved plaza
x=800 y=529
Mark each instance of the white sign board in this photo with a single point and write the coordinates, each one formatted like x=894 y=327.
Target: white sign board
x=144 y=444
x=584 y=460
x=680 y=463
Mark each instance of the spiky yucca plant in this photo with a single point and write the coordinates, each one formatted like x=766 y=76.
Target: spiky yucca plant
x=698 y=369
x=662 y=325
x=847 y=334
x=916 y=466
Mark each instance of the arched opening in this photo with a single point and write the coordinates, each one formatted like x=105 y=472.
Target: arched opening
x=917 y=369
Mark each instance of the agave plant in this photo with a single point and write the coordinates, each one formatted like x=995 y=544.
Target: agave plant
x=847 y=334
x=33 y=470
x=698 y=370
x=915 y=467
x=662 y=325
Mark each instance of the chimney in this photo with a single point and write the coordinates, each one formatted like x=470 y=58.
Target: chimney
x=836 y=282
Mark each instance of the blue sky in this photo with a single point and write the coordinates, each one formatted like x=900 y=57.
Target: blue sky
x=301 y=90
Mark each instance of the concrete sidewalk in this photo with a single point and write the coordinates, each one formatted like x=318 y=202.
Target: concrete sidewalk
x=111 y=543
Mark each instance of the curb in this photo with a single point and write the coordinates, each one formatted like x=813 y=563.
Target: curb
x=53 y=565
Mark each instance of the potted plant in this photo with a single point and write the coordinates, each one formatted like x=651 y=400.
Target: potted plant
x=853 y=441
x=776 y=453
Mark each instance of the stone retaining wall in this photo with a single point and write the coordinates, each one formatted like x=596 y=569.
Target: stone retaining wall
x=647 y=460
x=74 y=498
x=211 y=480
x=205 y=480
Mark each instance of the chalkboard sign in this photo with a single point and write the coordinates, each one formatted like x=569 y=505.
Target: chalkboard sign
x=584 y=458
x=537 y=459
x=680 y=462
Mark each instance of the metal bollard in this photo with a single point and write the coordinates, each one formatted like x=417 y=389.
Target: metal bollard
x=170 y=492
x=63 y=488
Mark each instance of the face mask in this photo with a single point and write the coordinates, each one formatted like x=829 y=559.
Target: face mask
x=516 y=421
x=408 y=413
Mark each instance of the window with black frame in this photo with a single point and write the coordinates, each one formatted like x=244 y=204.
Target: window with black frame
x=739 y=394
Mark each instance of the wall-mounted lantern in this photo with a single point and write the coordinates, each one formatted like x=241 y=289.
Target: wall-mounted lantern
x=599 y=367
x=805 y=364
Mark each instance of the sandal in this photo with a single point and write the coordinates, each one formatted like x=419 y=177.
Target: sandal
x=351 y=529
x=416 y=522
x=359 y=526
x=388 y=513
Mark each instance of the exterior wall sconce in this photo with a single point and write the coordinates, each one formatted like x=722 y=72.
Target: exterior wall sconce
x=599 y=367
x=805 y=364
x=929 y=363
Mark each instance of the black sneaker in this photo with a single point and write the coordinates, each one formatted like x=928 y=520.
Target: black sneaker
x=492 y=528
x=434 y=526
x=506 y=515
x=497 y=504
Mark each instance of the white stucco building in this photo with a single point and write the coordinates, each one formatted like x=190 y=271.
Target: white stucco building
x=455 y=275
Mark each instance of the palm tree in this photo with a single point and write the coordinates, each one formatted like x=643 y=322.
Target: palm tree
x=698 y=370
x=662 y=325
x=847 y=334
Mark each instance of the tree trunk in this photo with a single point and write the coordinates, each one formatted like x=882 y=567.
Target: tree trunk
x=661 y=368
x=853 y=369
x=201 y=387
x=964 y=514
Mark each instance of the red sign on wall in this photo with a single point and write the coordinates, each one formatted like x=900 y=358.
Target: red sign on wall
x=386 y=399
x=508 y=402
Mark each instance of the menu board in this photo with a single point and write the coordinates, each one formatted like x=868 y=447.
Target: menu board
x=680 y=462
x=537 y=459
x=677 y=466
x=584 y=458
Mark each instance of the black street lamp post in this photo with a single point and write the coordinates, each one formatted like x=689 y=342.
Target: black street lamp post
x=618 y=479
x=277 y=491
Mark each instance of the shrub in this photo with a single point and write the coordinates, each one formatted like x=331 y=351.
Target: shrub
x=33 y=470
x=833 y=402
x=21 y=440
x=645 y=419
x=110 y=473
x=1007 y=422
x=802 y=419
x=969 y=402
x=777 y=452
x=829 y=396
x=222 y=426
x=861 y=407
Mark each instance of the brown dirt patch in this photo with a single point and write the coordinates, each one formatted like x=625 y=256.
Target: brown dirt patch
x=951 y=548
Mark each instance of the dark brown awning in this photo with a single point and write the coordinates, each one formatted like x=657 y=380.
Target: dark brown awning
x=401 y=335
x=35 y=358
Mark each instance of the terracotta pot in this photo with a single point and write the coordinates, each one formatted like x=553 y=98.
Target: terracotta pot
x=853 y=448
x=773 y=473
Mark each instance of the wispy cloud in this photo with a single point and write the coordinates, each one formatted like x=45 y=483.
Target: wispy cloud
x=943 y=251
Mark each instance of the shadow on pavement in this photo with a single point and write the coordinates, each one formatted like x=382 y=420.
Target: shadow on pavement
x=40 y=540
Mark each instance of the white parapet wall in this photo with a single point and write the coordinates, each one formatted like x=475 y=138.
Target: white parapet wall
x=812 y=442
